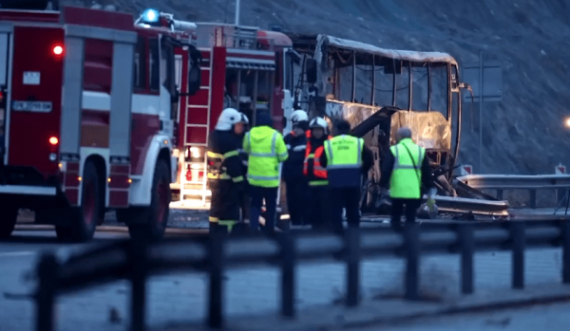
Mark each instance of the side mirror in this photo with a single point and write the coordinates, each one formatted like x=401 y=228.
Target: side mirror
x=311 y=70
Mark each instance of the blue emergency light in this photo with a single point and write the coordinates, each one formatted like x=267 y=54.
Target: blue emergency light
x=151 y=16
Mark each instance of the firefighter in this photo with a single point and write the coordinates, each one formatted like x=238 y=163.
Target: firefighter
x=225 y=175
x=266 y=150
x=295 y=181
x=346 y=159
x=407 y=170
x=316 y=175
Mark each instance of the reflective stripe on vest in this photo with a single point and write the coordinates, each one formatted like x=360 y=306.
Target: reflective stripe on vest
x=344 y=158
x=265 y=156
x=399 y=165
x=270 y=154
x=215 y=166
x=339 y=164
x=405 y=182
x=318 y=170
x=306 y=162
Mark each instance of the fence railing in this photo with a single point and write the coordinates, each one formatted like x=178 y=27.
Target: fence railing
x=137 y=261
x=532 y=183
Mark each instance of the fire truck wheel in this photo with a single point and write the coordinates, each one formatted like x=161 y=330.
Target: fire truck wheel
x=8 y=220
x=86 y=217
x=155 y=215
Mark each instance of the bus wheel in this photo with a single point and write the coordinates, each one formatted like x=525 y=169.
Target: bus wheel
x=155 y=216
x=8 y=221
x=84 y=219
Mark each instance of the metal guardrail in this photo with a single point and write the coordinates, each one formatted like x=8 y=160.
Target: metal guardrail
x=506 y=182
x=518 y=182
x=137 y=261
x=476 y=206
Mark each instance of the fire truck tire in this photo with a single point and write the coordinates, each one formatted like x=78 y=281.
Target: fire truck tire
x=155 y=216
x=84 y=219
x=7 y=221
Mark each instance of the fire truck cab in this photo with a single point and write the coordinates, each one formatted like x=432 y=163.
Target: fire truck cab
x=242 y=67
x=88 y=118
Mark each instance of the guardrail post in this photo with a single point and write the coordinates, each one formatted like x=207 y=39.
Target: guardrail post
x=216 y=292
x=467 y=247
x=412 y=246
x=352 y=246
x=139 y=273
x=566 y=251
x=47 y=272
x=532 y=194
x=517 y=231
x=288 y=258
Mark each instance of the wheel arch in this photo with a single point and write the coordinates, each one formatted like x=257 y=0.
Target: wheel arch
x=142 y=184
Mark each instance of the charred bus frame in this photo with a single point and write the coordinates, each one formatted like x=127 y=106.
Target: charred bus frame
x=324 y=57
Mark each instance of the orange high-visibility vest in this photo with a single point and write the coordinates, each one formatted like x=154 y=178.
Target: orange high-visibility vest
x=318 y=170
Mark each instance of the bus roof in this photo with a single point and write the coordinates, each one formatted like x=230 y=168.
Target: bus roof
x=411 y=56
x=309 y=43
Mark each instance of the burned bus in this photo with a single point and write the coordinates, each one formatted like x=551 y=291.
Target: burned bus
x=380 y=90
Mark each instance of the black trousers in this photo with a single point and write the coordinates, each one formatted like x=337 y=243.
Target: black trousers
x=258 y=195
x=318 y=205
x=349 y=198
x=224 y=204
x=297 y=195
x=411 y=208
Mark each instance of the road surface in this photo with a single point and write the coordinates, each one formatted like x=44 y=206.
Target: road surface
x=181 y=297
x=546 y=317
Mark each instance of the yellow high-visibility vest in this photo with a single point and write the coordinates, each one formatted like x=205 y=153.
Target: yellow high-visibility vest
x=344 y=161
x=405 y=182
x=266 y=150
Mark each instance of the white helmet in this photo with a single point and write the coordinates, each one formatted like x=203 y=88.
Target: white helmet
x=228 y=118
x=318 y=122
x=299 y=115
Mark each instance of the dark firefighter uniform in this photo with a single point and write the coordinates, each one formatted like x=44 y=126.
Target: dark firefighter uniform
x=225 y=173
x=316 y=176
x=346 y=159
x=292 y=172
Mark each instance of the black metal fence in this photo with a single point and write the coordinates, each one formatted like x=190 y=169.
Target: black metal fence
x=136 y=261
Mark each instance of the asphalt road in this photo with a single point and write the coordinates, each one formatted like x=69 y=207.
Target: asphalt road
x=546 y=317
x=182 y=297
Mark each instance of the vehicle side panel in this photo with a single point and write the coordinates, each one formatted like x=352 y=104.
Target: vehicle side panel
x=144 y=127
x=98 y=65
x=30 y=130
x=218 y=84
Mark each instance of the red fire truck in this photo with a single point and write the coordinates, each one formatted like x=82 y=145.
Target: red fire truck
x=242 y=67
x=88 y=115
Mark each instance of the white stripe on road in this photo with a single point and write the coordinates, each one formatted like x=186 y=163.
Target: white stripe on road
x=13 y=254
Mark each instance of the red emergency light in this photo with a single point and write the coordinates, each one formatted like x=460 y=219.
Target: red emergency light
x=53 y=141
x=58 y=50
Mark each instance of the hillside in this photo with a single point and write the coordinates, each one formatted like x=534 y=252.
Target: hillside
x=524 y=133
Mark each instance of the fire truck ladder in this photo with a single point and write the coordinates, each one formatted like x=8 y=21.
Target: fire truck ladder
x=191 y=123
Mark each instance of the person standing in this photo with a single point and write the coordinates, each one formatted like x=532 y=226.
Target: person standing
x=225 y=176
x=316 y=174
x=295 y=181
x=266 y=150
x=406 y=169
x=346 y=159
